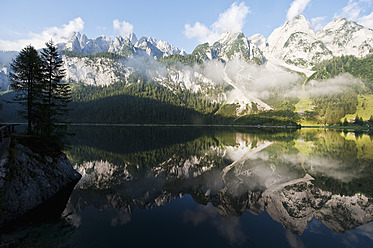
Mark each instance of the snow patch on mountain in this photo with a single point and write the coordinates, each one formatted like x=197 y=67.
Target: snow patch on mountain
x=281 y=35
x=344 y=37
x=297 y=44
x=259 y=41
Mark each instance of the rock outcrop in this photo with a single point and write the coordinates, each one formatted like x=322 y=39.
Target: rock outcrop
x=30 y=180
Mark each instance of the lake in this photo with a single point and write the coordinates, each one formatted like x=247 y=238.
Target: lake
x=213 y=187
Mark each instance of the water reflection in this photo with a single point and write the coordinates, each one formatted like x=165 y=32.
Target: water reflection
x=230 y=228
x=299 y=178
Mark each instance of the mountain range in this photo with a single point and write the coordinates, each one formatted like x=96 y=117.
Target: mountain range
x=295 y=43
x=236 y=69
x=125 y=46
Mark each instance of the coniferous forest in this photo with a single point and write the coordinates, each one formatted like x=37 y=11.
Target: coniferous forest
x=139 y=99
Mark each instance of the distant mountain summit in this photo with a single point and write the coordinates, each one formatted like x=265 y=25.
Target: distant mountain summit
x=296 y=42
x=344 y=37
x=79 y=43
x=125 y=46
x=231 y=46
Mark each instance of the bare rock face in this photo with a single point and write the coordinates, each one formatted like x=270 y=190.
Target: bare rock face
x=32 y=180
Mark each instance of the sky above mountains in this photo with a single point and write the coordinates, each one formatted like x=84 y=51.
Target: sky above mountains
x=184 y=23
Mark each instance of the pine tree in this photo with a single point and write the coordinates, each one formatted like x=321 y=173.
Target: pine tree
x=26 y=76
x=56 y=94
x=345 y=122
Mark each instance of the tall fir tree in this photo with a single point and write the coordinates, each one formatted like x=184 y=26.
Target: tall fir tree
x=56 y=94
x=371 y=119
x=26 y=77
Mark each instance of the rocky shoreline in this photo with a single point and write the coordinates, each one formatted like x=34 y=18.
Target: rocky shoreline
x=31 y=179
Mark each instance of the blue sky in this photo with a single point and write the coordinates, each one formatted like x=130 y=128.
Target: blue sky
x=183 y=23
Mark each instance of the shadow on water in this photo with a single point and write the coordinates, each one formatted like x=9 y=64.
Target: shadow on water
x=132 y=139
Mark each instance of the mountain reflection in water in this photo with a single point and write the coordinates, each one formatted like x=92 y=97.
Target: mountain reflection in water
x=294 y=176
x=219 y=187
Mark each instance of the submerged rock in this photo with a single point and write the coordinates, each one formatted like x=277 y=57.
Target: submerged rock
x=31 y=180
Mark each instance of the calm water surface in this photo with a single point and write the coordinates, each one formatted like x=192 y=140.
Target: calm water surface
x=209 y=187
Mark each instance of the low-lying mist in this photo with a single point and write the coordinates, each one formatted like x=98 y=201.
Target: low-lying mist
x=246 y=78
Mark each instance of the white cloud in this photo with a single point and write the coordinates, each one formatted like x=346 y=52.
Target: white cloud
x=201 y=32
x=359 y=11
x=124 y=27
x=232 y=20
x=57 y=34
x=328 y=87
x=367 y=20
x=318 y=22
x=352 y=10
x=296 y=8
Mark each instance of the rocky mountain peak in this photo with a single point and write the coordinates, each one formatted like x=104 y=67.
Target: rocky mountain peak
x=76 y=42
x=340 y=25
x=259 y=41
x=280 y=35
x=126 y=46
x=230 y=37
x=233 y=45
x=131 y=37
x=298 y=24
x=296 y=43
x=79 y=43
x=345 y=37
x=81 y=38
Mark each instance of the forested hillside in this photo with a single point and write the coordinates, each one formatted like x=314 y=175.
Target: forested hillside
x=147 y=102
x=139 y=100
x=358 y=67
x=333 y=107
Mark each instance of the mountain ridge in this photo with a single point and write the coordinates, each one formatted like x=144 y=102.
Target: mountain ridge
x=295 y=43
x=79 y=43
x=238 y=72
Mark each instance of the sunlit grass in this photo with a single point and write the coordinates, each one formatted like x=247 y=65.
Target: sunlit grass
x=364 y=108
x=304 y=104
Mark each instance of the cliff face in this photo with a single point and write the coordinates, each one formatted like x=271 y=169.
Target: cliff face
x=31 y=180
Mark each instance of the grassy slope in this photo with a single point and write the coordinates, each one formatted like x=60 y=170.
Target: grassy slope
x=365 y=111
x=305 y=104
x=364 y=108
